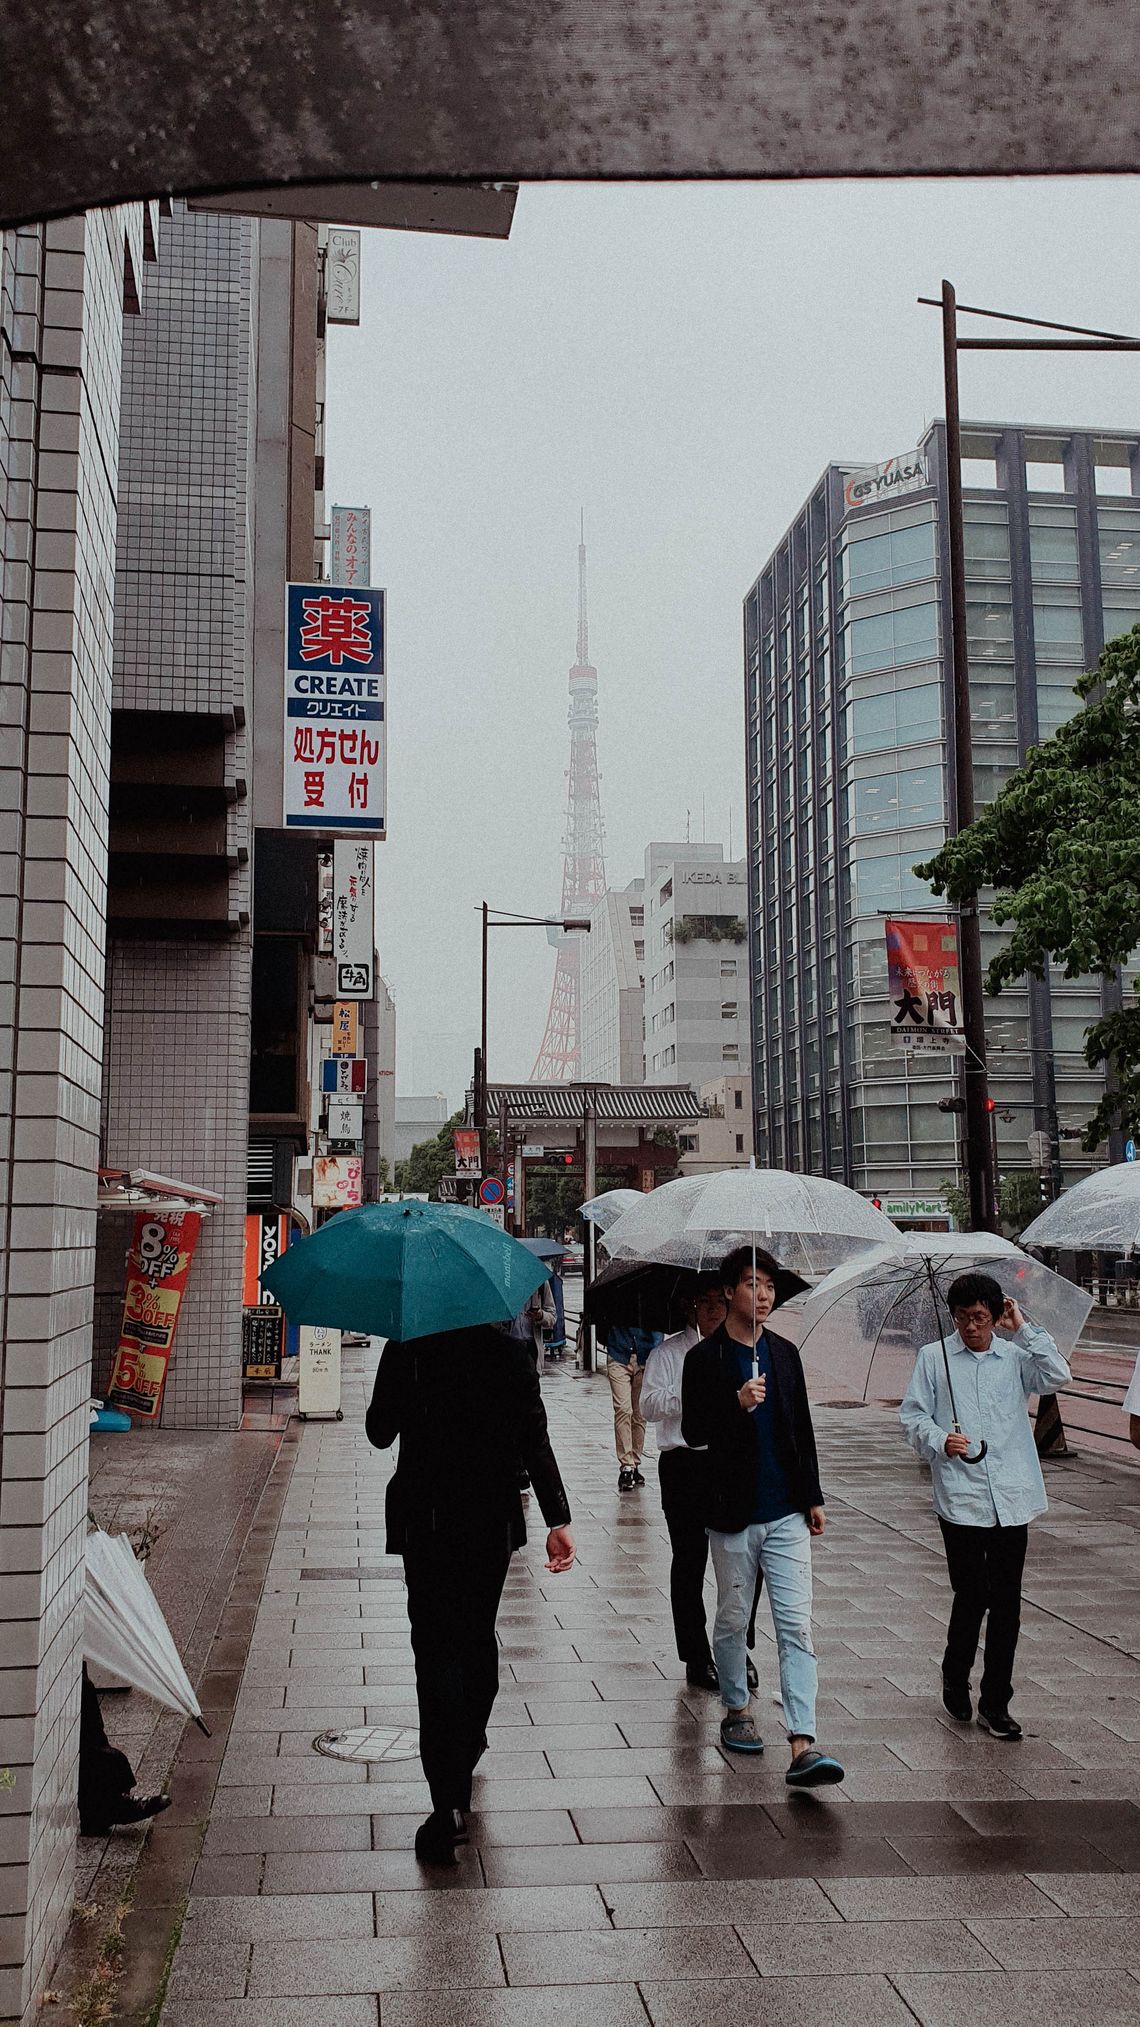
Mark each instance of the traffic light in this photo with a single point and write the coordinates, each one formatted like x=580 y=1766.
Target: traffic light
x=1046 y=1186
x=991 y=1104
x=951 y=1104
x=876 y=1203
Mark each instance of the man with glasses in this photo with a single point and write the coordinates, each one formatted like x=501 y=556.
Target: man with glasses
x=991 y=1364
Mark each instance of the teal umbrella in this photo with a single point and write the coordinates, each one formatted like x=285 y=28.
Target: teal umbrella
x=405 y=1270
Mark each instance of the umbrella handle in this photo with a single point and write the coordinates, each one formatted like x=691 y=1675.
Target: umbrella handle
x=203 y=1727
x=979 y=1452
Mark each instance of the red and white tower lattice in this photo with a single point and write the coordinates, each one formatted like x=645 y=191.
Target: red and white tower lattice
x=584 y=862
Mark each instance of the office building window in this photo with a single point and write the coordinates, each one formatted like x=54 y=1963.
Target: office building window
x=904 y=801
x=728 y=967
x=877 y=562
x=689 y=1143
x=891 y=640
x=666 y=893
x=730 y=1053
x=738 y=1101
x=638 y=951
x=669 y=1056
x=895 y=718
x=728 y=1009
x=740 y=1143
x=637 y=918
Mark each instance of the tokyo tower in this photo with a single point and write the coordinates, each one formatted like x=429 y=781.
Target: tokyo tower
x=584 y=863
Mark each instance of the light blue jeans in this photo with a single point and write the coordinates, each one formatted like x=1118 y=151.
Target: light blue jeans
x=782 y=1549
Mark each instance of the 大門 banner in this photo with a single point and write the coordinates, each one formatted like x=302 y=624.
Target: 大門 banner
x=924 y=987
x=157 y=1266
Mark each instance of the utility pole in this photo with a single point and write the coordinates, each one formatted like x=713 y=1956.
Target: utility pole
x=981 y=1166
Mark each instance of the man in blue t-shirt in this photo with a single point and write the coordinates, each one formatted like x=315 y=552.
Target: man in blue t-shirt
x=743 y=1396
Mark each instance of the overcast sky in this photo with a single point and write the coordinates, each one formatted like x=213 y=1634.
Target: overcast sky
x=680 y=362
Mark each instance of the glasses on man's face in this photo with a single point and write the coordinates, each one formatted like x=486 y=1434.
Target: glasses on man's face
x=972 y=1319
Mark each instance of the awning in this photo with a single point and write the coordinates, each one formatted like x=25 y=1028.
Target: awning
x=138 y=1189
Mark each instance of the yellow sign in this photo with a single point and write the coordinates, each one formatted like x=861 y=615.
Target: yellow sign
x=345 y=1023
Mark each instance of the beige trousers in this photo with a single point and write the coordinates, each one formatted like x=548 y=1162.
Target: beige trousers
x=629 y=1426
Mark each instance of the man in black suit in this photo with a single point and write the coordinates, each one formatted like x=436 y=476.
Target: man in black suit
x=743 y=1397
x=467 y=1409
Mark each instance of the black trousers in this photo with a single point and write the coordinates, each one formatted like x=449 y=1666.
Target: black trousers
x=683 y=1501
x=106 y=1776
x=453 y=1600
x=985 y=1565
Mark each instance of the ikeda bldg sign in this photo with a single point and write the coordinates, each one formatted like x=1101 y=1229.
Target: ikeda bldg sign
x=878 y=485
x=335 y=704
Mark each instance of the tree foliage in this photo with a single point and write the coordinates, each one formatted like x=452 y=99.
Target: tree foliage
x=430 y=1160
x=1019 y=1201
x=1060 y=844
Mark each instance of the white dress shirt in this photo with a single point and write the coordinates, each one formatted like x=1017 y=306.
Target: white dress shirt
x=992 y=1390
x=661 y=1387
x=1131 y=1401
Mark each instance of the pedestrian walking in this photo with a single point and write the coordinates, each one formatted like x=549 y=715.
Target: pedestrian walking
x=627 y=1349
x=534 y=1319
x=743 y=1396
x=987 y=1480
x=682 y=1477
x=466 y=1407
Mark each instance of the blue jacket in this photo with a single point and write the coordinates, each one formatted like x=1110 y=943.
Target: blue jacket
x=627 y=1340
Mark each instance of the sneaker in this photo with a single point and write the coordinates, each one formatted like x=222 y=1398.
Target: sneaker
x=637 y=1477
x=750 y=1672
x=957 y=1702
x=738 y=1733
x=813 y=1769
x=625 y=1480
x=998 y=1723
x=702 y=1675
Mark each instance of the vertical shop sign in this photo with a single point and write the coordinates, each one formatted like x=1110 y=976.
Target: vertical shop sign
x=318 y=1381
x=354 y=925
x=465 y=1140
x=335 y=752
x=157 y=1268
x=342 y=275
x=350 y=546
x=924 y=987
x=345 y=1027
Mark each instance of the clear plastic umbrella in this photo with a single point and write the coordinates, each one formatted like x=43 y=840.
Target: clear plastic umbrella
x=604 y=1209
x=862 y=1326
x=1099 y=1215
x=124 y=1630
x=808 y=1223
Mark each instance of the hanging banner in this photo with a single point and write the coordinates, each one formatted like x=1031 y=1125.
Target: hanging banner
x=157 y=1268
x=344 y=1076
x=876 y=485
x=353 y=927
x=335 y=754
x=924 y=986
x=465 y=1140
x=345 y=1028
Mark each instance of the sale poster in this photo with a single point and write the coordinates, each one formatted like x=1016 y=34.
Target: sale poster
x=158 y=1265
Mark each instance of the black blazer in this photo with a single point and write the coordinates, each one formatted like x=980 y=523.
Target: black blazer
x=712 y=1417
x=467 y=1409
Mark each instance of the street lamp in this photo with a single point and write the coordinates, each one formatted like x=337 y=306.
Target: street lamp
x=981 y=1165
x=503 y=918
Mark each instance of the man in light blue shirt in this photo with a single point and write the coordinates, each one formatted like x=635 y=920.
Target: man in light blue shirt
x=993 y=1362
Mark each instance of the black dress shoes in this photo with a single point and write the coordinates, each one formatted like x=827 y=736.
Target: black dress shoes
x=702 y=1675
x=957 y=1702
x=437 y=1838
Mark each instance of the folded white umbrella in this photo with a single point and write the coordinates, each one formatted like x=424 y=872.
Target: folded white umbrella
x=1101 y=1214
x=604 y=1209
x=808 y=1223
x=124 y=1630
x=866 y=1321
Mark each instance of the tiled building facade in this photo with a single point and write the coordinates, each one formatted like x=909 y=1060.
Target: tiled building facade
x=62 y=293
x=851 y=781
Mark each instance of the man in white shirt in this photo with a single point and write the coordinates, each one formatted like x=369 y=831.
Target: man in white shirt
x=1131 y=1405
x=681 y=1473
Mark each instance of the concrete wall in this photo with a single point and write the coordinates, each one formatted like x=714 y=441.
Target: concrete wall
x=61 y=303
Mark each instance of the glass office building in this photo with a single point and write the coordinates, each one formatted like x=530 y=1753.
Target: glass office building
x=850 y=769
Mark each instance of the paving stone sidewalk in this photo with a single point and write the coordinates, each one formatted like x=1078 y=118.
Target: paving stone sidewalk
x=621 y=1868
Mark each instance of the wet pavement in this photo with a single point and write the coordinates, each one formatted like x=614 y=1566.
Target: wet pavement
x=621 y=1867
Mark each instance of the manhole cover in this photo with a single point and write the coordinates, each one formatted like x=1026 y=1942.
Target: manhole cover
x=369 y=1742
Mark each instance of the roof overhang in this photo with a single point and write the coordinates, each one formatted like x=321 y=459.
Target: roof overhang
x=626 y=1104
x=123 y=99
x=473 y=210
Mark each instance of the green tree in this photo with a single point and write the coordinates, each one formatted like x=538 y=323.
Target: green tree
x=430 y=1160
x=1060 y=844
x=1019 y=1200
